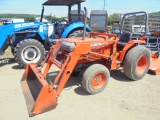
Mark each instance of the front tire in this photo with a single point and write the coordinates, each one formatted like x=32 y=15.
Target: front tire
x=29 y=50
x=95 y=78
x=137 y=62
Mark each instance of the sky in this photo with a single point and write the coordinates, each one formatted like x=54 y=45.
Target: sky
x=112 y=6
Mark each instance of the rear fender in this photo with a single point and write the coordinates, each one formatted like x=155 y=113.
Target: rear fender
x=72 y=27
x=128 y=46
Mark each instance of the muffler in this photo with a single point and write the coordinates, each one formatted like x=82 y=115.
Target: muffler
x=39 y=95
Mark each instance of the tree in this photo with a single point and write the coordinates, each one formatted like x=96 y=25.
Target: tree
x=113 y=17
x=29 y=18
x=49 y=18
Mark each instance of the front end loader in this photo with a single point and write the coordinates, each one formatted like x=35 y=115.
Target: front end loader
x=95 y=55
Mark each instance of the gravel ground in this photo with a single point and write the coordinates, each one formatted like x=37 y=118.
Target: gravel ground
x=122 y=99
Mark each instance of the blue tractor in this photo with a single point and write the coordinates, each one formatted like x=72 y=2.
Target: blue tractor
x=29 y=41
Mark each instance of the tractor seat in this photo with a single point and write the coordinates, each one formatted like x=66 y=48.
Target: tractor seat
x=124 y=38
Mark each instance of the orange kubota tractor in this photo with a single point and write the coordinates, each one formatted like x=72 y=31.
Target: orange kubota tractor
x=95 y=55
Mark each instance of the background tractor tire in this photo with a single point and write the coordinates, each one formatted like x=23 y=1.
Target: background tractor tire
x=77 y=33
x=95 y=78
x=137 y=62
x=29 y=50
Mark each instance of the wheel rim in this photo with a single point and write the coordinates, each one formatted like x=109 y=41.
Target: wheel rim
x=98 y=81
x=142 y=64
x=30 y=54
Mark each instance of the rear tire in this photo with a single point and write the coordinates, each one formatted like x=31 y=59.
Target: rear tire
x=77 y=33
x=137 y=62
x=95 y=78
x=29 y=50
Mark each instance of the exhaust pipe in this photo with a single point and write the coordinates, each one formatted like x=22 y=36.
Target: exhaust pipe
x=42 y=13
x=85 y=22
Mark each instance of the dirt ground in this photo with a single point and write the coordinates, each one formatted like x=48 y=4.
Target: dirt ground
x=122 y=99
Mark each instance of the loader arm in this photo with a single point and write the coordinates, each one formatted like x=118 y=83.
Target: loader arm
x=40 y=95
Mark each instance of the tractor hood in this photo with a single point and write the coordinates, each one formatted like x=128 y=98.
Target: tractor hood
x=87 y=40
x=69 y=44
x=63 y=2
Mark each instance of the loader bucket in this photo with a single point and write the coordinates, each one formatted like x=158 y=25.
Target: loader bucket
x=39 y=95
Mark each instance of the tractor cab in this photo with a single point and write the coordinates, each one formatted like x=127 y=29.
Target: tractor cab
x=74 y=16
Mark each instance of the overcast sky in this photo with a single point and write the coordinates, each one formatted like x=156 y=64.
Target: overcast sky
x=112 y=6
